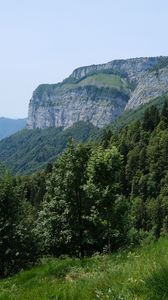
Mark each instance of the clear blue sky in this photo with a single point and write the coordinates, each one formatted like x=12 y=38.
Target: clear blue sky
x=42 y=41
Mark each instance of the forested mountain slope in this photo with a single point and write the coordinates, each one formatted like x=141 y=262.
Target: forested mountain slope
x=132 y=115
x=97 y=197
x=30 y=150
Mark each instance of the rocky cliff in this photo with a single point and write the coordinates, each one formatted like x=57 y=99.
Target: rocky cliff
x=152 y=85
x=98 y=93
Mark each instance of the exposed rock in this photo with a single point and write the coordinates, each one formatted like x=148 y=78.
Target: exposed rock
x=153 y=84
x=134 y=68
x=98 y=93
x=76 y=105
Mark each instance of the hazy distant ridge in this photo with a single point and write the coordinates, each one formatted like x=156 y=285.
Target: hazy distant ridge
x=10 y=126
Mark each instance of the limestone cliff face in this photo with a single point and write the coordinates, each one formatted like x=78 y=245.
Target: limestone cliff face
x=98 y=93
x=76 y=105
x=134 y=68
x=152 y=85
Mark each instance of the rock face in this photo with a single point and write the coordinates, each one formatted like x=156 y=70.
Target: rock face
x=98 y=93
x=152 y=85
x=134 y=68
x=76 y=105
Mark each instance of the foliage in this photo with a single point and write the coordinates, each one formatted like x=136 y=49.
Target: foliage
x=98 y=196
x=31 y=150
x=132 y=115
x=104 y=188
x=17 y=244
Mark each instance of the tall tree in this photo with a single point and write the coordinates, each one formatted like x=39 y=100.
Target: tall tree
x=17 y=242
x=151 y=118
x=164 y=112
x=8 y=211
x=62 y=221
x=103 y=186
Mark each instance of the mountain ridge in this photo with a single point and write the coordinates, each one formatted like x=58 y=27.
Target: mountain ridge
x=9 y=126
x=30 y=151
x=98 y=93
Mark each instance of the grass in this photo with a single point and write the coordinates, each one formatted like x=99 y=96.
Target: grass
x=140 y=274
x=157 y=283
x=105 y=80
x=99 y=80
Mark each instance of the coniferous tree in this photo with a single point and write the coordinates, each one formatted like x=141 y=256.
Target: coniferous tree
x=164 y=112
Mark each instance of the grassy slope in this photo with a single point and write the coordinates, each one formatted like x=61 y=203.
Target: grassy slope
x=141 y=274
x=98 y=80
x=106 y=80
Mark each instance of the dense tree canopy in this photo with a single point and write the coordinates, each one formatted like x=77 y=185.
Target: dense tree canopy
x=97 y=196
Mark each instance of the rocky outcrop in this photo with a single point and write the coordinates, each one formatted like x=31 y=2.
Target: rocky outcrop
x=99 y=106
x=152 y=85
x=98 y=93
x=134 y=68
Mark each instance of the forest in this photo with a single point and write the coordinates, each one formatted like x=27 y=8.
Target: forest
x=97 y=197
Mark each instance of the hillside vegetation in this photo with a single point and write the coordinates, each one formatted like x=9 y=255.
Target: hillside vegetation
x=140 y=274
x=99 y=79
x=97 y=197
x=30 y=150
x=132 y=115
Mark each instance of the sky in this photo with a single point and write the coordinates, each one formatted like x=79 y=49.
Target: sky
x=43 y=41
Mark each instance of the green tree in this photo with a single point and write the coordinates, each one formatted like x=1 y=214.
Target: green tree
x=164 y=112
x=8 y=210
x=151 y=118
x=63 y=222
x=103 y=187
x=17 y=243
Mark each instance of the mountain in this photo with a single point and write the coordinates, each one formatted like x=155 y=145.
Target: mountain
x=10 y=126
x=135 y=114
x=98 y=93
x=28 y=151
x=108 y=96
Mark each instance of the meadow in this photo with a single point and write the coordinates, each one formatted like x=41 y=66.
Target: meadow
x=136 y=274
